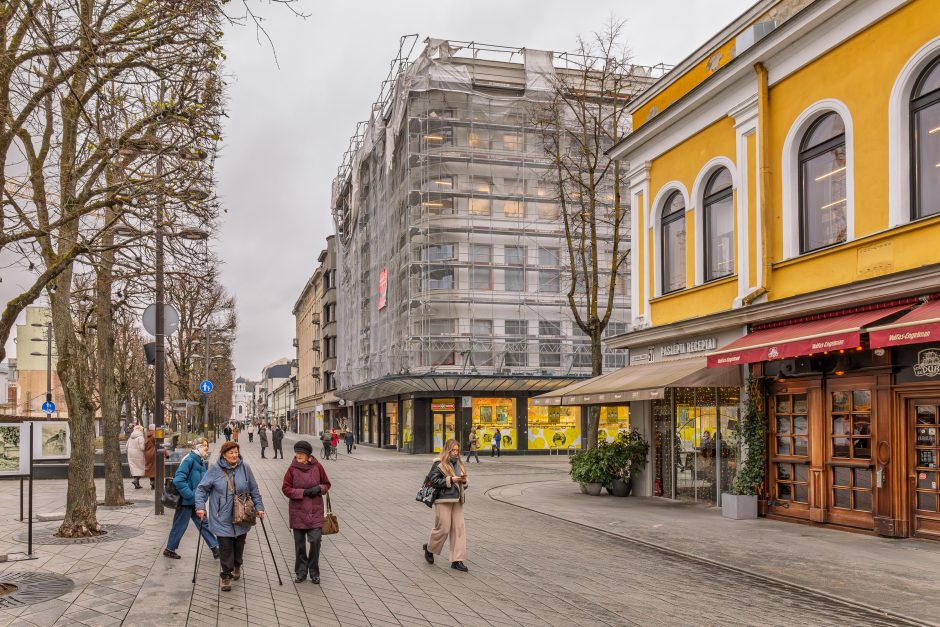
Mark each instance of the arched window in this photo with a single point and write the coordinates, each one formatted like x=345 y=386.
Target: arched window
x=673 y=243
x=718 y=208
x=823 y=192
x=925 y=143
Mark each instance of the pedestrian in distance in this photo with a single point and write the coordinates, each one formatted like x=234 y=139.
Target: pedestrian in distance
x=473 y=445
x=327 y=441
x=229 y=476
x=448 y=477
x=136 y=459
x=235 y=432
x=150 y=455
x=262 y=438
x=228 y=433
x=187 y=478
x=334 y=439
x=349 y=439
x=305 y=483
x=251 y=432
x=497 y=442
x=277 y=438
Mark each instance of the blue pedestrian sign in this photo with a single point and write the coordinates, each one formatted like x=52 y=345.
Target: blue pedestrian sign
x=206 y=386
x=48 y=407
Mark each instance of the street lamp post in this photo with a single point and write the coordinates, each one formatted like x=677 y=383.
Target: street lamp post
x=160 y=352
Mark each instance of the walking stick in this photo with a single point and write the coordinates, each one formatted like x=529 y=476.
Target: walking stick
x=199 y=541
x=273 y=559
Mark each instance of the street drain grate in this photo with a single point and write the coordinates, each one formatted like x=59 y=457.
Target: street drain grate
x=25 y=588
x=112 y=533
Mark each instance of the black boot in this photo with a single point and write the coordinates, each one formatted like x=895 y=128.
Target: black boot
x=136 y=483
x=152 y=484
x=459 y=566
x=428 y=556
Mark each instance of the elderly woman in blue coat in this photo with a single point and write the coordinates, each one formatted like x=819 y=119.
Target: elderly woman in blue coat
x=187 y=478
x=214 y=490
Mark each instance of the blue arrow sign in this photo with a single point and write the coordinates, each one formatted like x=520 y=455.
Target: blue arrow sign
x=206 y=386
x=48 y=407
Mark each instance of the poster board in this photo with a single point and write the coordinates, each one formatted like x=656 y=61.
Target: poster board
x=52 y=440
x=14 y=449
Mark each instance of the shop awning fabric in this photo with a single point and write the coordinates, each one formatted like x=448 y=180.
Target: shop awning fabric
x=802 y=338
x=642 y=382
x=915 y=327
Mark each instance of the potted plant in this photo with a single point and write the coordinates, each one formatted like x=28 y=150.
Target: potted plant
x=588 y=468
x=628 y=456
x=741 y=503
x=577 y=470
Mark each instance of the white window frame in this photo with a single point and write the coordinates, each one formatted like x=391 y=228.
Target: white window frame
x=655 y=222
x=698 y=194
x=899 y=133
x=790 y=175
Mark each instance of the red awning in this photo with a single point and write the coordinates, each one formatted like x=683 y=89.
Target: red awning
x=915 y=327
x=801 y=338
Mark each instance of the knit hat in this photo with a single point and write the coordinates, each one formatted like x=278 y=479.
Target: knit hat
x=228 y=446
x=303 y=447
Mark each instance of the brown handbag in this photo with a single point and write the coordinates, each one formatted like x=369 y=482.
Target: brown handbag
x=330 y=521
x=243 y=507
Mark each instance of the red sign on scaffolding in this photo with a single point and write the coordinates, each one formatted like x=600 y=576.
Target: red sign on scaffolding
x=383 y=287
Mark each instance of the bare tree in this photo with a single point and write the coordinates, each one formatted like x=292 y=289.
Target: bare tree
x=582 y=117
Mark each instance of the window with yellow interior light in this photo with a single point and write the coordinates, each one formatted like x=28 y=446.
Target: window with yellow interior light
x=490 y=414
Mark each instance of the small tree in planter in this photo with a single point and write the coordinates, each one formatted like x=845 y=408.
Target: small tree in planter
x=628 y=455
x=590 y=469
x=742 y=502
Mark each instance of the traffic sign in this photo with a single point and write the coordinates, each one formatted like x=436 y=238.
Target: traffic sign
x=206 y=386
x=48 y=407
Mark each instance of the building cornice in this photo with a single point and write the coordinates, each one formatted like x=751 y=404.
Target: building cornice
x=917 y=282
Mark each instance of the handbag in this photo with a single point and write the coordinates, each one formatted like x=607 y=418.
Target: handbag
x=330 y=521
x=171 y=495
x=426 y=492
x=243 y=507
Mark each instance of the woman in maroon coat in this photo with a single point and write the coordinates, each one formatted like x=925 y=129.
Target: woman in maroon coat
x=305 y=483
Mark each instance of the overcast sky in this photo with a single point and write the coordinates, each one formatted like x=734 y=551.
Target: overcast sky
x=289 y=125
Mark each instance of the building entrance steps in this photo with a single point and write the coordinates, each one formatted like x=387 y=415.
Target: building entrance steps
x=894 y=575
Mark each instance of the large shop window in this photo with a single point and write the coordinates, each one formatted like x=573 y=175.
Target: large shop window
x=673 y=243
x=613 y=420
x=927 y=425
x=823 y=191
x=925 y=143
x=554 y=427
x=407 y=425
x=697 y=442
x=444 y=417
x=391 y=422
x=492 y=414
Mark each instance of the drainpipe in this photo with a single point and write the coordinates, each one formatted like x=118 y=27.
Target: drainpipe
x=765 y=208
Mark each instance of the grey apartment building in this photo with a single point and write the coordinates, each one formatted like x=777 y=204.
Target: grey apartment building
x=451 y=260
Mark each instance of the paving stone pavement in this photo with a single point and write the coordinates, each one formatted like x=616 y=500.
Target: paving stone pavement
x=526 y=568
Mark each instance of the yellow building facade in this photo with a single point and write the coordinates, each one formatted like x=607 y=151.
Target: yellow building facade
x=785 y=192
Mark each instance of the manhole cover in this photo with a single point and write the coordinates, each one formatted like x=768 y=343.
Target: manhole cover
x=47 y=535
x=19 y=589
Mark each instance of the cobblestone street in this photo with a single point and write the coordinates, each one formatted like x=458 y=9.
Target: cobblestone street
x=526 y=568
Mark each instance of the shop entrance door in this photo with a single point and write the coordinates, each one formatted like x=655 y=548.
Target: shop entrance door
x=850 y=471
x=924 y=421
x=790 y=450
x=445 y=421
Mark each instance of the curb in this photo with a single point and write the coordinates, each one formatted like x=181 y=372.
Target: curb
x=704 y=560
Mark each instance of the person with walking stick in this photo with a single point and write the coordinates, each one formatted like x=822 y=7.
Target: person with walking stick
x=305 y=483
x=187 y=478
x=225 y=480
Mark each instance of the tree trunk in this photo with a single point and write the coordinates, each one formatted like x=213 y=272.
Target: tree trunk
x=594 y=411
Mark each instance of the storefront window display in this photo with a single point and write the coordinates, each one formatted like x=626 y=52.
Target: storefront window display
x=373 y=424
x=391 y=418
x=407 y=425
x=614 y=419
x=556 y=427
x=490 y=414
x=445 y=420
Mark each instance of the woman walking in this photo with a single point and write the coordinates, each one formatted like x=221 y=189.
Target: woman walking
x=305 y=483
x=136 y=460
x=262 y=438
x=277 y=436
x=187 y=478
x=235 y=432
x=350 y=440
x=448 y=477
x=474 y=445
x=226 y=478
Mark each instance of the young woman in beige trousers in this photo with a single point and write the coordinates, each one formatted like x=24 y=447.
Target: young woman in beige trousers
x=448 y=477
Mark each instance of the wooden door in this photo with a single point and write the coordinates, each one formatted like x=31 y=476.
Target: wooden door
x=791 y=477
x=850 y=469
x=924 y=424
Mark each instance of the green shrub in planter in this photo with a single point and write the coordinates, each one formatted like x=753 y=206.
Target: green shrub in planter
x=589 y=466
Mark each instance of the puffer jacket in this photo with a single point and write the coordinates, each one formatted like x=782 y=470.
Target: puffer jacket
x=214 y=491
x=136 y=461
x=445 y=491
x=188 y=477
x=306 y=512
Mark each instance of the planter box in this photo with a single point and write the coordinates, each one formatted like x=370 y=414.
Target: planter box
x=594 y=489
x=621 y=487
x=738 y=507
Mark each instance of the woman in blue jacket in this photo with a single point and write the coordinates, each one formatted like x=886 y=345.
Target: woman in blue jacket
x=214 y=490
x=187 y=477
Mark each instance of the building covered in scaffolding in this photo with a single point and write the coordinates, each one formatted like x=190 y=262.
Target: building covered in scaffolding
x=451 y=258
